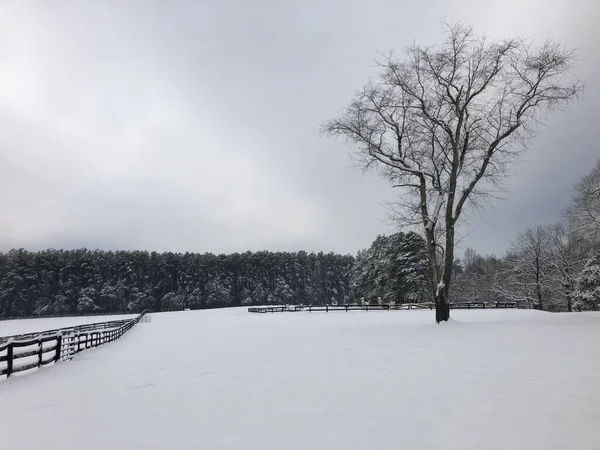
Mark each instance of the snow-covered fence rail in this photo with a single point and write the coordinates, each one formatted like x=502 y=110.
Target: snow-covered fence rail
x=25 y=352
x=19 y=356
x=76 y=329
x=345 y=307
x=376 y=307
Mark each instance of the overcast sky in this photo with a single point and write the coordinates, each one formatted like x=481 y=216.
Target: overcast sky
x=193 y=125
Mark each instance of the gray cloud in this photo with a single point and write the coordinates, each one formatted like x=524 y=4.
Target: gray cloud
x=192 y=126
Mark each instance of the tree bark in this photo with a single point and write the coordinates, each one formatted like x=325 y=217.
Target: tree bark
x=538 y=292
x=442 y=299
x=442 y=306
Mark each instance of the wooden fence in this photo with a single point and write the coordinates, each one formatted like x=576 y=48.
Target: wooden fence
x=29 y=351
x=375 y=307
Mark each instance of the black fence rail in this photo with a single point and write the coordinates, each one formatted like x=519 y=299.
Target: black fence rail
x=376 y=307
x=483 y=305
x=33 y=350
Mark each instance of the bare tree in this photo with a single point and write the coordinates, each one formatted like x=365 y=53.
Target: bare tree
x=566 y=259
x=584 y=214
x=513 y=282
x=444 y=123
x=528 y=269
x=475 y=282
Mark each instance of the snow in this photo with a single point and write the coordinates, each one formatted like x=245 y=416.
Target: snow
x=228 y=379
x=23 y=326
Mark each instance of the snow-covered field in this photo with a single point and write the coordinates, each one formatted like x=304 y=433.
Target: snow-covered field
x=227 y=379
x=22 y=326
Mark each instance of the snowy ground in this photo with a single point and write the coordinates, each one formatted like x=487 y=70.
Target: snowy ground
x=227 y=379
x=22 y=326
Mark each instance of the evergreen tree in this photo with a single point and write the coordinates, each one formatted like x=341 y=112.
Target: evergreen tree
x=393 y=268
x=587 y=294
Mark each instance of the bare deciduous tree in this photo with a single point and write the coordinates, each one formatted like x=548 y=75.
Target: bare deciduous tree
x=566 y=259
x=444 y=123
x=584 y=214
x=528 y=272
x=476 y=280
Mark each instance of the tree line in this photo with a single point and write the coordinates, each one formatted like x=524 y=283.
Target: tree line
x=64 y=282
x=61 y=282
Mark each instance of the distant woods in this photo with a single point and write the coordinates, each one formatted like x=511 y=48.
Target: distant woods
x=59 y=282
x=62 y=282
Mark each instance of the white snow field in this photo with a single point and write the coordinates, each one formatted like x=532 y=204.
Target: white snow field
x=22 y=326
x=228 y=379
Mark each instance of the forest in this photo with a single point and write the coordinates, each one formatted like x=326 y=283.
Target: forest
x=59 y=282
x=65 y=282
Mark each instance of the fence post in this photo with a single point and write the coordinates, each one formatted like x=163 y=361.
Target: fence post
x=58 y=347
x=41 y=345
x=326 y=308
x=9 y=358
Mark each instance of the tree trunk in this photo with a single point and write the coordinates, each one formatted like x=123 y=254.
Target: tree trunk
x=538 y=291
x=442 y=306
x=442 y=300
x=431 y=258
x=440 y=283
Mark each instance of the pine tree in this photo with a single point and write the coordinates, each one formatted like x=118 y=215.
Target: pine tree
x=587 y=293
x=393 y=268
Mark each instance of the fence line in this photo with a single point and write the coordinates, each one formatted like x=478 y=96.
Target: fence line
x=77 y=328
x=376 y=307
x=26 y=352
